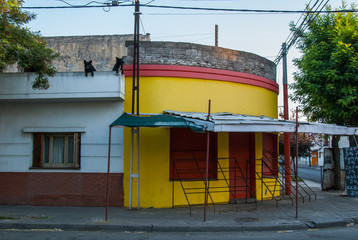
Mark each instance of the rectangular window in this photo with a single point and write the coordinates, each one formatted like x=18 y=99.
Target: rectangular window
x=188 y=155
x=56 y=150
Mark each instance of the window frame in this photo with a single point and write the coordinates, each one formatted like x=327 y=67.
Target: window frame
x=38 y=160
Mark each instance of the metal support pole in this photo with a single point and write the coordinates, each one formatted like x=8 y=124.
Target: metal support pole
x=138 y=168
x=296 y=172
x=286 y=136
x=135 y=104
x=207 y=163
x=108 y=171
x=130 y=172
x=135 y=84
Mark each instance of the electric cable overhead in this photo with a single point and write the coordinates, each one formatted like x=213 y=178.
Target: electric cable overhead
x=121 y=4
x=302 y=25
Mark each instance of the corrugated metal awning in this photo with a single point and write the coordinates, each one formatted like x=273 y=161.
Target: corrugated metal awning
x=230 y=122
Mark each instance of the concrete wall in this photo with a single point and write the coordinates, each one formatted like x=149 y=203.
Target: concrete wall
x=189 y=54
x=101 y=49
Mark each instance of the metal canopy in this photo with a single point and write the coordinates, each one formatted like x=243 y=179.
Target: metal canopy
x=229 y=122
x=160 y=120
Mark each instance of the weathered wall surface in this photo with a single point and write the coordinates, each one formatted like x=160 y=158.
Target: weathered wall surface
x=102 y=50
x=189 y=54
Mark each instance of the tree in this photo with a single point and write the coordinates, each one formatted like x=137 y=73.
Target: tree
x=18 y=45
x=326 y=84
x=305 y=143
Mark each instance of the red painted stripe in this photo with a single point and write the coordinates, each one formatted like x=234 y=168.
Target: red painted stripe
x=202 y=73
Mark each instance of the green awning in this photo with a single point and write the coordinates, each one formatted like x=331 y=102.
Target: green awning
x=160 y=120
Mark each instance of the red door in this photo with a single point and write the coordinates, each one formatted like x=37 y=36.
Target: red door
x=242 y=164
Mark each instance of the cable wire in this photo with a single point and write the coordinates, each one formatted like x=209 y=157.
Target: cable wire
x=193 y=8
x=309 y=17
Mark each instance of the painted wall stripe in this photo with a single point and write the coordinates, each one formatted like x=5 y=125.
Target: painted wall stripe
x=202 y=73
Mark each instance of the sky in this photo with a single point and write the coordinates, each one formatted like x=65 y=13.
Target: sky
x=259 y=33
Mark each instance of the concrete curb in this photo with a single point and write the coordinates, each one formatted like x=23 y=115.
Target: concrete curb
x=328 y=224
x=169 y=228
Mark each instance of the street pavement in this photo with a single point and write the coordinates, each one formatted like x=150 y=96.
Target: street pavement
x=330 y=209
x=312 y=173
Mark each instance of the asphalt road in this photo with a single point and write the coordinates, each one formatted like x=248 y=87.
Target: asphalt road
x=310 y=173
x=329 y=233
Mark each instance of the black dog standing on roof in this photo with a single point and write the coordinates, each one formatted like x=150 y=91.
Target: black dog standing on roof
x=119 y=64
x=89 y=68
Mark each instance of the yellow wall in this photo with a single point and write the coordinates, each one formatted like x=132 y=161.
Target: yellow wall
x=192 y=95
x=265 y=187
x=182 y=94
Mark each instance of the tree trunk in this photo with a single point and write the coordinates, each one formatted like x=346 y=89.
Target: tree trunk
x=338 y=176
x=352 y=139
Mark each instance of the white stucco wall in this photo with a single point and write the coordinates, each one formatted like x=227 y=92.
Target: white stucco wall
x=63 y=86
x=93 y=116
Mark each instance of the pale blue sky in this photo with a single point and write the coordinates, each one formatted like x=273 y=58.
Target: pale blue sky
x=262 y=34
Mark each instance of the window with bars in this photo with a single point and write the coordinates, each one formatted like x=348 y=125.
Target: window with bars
x=56 y=150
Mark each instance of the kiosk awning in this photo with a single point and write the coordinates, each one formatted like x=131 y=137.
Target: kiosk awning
x=229 y=122
x=160 y=120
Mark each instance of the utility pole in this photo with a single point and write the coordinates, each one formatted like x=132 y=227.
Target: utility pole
x=135 y=89
x=286 y=135
x=135 y=109
x=216 y=35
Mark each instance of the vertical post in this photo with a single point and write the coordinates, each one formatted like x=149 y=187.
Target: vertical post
x=216 y=35
x=135 y=84
x=138 y=168
x=235 y=179
x=246 y=180
x=286 y=135
x=207 y=163
x=296 y=172
x=172 y=162
x=135 y=103
x=108 y=171
x=131 y=171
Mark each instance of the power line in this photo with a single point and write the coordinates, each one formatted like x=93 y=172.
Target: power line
x=308 y=18
x=243 y=10
x=78 y=6
x=191 y=8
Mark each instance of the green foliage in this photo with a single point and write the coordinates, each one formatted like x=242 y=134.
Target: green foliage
x=326 y=84
x=19 y=45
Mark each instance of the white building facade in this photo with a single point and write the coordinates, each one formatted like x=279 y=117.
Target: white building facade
x=54 y=143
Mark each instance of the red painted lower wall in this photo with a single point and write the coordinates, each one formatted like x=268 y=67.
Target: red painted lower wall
x=60 y=189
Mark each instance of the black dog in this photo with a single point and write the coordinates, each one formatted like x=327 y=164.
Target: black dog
x=89 y=68
x=119 y=64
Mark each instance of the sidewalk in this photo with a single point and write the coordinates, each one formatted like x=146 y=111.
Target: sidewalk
x=331 y=209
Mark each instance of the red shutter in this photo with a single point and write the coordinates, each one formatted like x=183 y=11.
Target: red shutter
x=77 y=149
x=37 y=154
